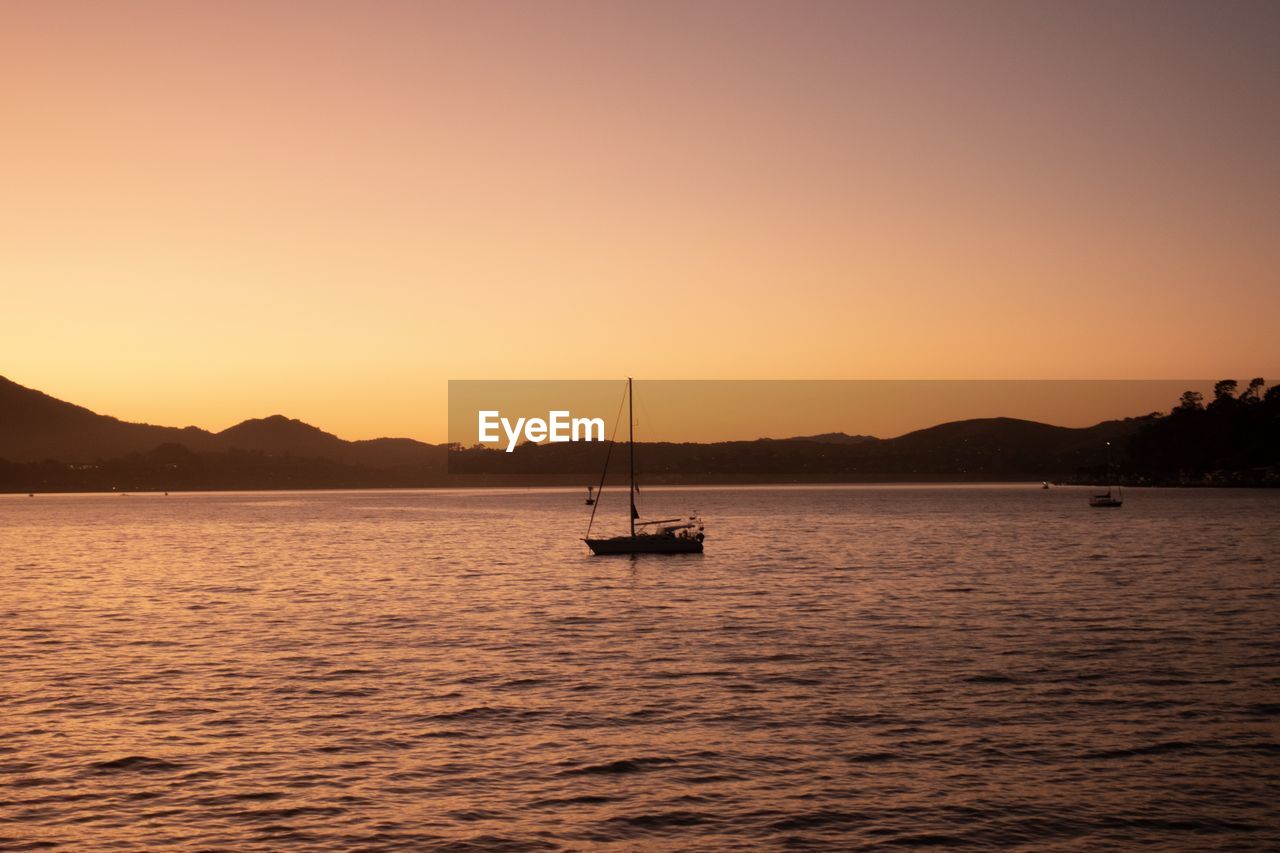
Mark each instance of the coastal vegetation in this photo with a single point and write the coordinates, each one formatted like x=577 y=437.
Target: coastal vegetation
x=1233 y=439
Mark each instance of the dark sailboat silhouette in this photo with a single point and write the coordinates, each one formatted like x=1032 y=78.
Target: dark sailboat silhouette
x=662 y=536
x=1107 y=499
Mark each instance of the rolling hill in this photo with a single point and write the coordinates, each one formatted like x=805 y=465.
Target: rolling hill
x=47 y=443
x=35 y=427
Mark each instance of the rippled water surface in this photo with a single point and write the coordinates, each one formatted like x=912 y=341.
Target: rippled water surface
x=451 y=670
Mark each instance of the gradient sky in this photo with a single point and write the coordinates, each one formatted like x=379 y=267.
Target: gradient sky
x=214 y=211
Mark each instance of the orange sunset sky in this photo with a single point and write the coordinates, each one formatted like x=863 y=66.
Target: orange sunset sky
x=214 y=211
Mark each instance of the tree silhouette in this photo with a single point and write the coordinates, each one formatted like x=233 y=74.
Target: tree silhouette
x=1191 y=400
x=1232 y=441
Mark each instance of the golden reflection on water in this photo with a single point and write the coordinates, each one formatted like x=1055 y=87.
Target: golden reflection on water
x=843 y=665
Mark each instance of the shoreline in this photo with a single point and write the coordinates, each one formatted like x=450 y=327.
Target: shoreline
x=1032 y=484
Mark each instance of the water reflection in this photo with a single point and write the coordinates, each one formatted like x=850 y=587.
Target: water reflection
x=405 y=670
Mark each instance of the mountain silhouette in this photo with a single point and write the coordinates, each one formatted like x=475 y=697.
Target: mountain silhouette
x=278 y=434
x=1012 y=435
x=979 y=449
x=49 y=444
x=35 y=427
x=834 y=438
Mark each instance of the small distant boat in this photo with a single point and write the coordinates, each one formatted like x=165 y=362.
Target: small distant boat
x=1107 y=499
x=1046 y=485
x=591 y=496
x=664 y=536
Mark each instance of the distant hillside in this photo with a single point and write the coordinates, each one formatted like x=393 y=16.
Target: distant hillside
x=1011 y=437
x=982 y=449
x=35 y=427
x=278 y=434
x=834 y=438
x=47 y=444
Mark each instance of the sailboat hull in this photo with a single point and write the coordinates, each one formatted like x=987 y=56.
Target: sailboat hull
x=1107 y=499
x=644 y=545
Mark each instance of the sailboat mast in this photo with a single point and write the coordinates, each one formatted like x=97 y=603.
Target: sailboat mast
x=631 y=448
x=1108 y=468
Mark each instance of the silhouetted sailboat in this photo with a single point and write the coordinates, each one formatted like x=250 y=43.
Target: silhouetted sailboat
x=1107 y=499
x=591 y=496
x=663 y=536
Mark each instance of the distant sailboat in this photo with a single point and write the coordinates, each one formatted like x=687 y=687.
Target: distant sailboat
x=591 y=496
x=664 y=536
x=1107 y=499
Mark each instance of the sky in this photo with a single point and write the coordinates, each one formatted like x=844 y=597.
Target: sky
x=215 y=211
